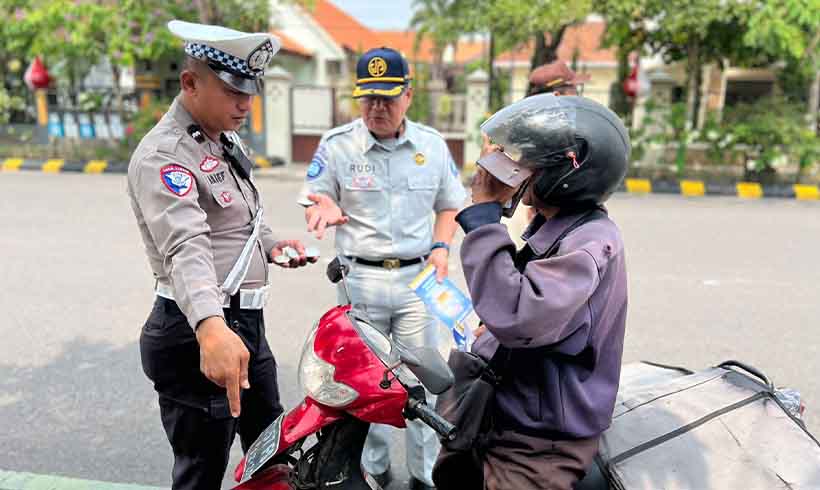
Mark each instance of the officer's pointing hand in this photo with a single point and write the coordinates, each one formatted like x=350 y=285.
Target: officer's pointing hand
x=323 y=213
x=223 y=358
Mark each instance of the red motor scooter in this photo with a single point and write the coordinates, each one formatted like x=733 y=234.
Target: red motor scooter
x=353 y=376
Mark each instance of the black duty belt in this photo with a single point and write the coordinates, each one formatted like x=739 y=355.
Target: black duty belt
x=388 y=263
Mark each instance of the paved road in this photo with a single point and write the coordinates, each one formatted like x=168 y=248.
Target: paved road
x=710 y=279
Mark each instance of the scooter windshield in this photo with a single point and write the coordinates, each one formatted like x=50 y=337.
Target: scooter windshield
x=373 y=337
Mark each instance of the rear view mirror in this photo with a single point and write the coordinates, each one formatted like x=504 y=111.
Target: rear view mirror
x=336 y=270
x=429 y=367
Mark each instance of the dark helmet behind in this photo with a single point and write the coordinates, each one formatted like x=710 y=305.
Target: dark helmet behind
x=577 y=148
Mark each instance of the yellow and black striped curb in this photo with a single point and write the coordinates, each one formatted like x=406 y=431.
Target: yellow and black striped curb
x=743 y=190
x=688 y=188
x=58 y=165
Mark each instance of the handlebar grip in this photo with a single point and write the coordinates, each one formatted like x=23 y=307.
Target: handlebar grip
x=435 y=421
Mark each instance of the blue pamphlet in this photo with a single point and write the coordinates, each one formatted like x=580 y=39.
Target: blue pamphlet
x=445 y=301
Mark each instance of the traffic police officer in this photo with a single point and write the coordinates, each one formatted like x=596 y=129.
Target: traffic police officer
x=383 y=177
x=200 y=216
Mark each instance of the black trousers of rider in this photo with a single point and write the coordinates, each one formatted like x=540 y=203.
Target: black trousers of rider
x=194 y=410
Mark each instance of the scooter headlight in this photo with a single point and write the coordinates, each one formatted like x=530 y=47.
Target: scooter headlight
x=316 y=378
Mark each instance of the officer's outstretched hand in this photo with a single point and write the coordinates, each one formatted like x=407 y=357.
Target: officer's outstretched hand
x=223 y=358
x=293 y=260
x=322 y=214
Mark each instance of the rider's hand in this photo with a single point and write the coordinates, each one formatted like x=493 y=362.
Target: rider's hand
x=487 y=188
x=223 y=358
x=438 y=257
x=323 y=213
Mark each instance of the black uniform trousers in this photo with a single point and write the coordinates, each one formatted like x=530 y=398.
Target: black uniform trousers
x=194 y=410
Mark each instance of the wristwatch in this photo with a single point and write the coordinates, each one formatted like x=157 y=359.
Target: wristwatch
x=440 y=245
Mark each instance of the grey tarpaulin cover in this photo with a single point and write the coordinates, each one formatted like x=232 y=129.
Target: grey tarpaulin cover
x=719 y=428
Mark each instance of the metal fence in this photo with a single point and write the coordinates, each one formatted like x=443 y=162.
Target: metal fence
x=92 y=113
x=440 y=109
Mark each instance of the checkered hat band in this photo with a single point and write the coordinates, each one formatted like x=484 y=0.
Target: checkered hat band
x=229 y=61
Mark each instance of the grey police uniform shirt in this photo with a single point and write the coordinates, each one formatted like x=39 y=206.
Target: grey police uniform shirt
x=389 y=190
x=195 y=215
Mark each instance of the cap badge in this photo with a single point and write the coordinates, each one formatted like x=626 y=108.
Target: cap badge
x=377 y=67
x=420 y=159
x=261 y=56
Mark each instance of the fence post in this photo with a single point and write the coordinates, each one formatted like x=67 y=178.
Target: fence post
x=477 y=86
x=278 y=110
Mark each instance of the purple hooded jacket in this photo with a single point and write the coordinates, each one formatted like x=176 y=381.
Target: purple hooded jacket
x=563 y=316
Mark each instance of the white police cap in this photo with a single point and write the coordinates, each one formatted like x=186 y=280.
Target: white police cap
x=238 y=58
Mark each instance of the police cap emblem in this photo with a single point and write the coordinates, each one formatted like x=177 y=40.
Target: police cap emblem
x=261 y=56
x=377 y=67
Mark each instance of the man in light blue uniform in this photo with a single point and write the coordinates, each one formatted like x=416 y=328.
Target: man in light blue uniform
x=382 y=179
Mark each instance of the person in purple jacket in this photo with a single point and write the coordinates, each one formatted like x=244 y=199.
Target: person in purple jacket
x=557 y=307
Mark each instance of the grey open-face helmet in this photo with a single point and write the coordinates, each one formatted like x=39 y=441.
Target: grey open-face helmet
x=573 y=150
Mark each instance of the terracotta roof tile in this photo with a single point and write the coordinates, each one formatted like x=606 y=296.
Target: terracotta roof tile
x=344 y=29
x=404 y=42
x=585 y=37
x=468 y=51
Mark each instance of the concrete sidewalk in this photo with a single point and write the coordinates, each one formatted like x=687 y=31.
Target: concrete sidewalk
x=10 y=480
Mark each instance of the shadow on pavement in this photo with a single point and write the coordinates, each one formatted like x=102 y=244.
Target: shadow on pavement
x=90 y=413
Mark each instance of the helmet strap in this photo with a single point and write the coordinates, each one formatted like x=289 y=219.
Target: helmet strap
x=543 y=192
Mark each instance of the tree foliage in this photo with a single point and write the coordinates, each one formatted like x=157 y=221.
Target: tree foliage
x=78 y=34
x=437 y=21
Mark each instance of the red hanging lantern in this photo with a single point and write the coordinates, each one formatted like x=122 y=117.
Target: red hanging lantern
x=36 y=76
x=631 y=83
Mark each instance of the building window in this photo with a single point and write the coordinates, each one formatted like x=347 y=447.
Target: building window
x=747 y=91
x=333 y=67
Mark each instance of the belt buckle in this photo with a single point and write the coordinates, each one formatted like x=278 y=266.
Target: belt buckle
x=391 y=264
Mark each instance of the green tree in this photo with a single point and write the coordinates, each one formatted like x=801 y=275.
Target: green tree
x=243 y=15
x=510 y=23
x=790 y=30
x=74 y=35
x=541 y=22
x=697 y=32
x=437 y=20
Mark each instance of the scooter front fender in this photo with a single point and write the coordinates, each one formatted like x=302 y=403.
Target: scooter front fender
x=277 y=477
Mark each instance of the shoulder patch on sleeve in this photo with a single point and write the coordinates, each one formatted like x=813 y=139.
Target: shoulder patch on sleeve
x=318 y=164
x=179 y=180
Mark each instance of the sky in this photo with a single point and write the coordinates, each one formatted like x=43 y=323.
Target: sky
x=389 y=15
